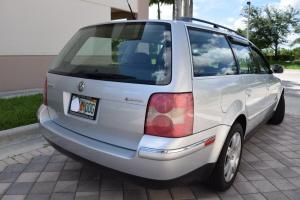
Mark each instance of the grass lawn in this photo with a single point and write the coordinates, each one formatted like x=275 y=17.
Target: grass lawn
x=287 y=65
x=19 y=111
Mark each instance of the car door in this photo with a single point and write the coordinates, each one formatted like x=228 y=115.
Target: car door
x=272 y=82
x=254 y=85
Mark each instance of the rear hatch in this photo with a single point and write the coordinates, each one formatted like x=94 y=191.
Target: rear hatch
x=100 y=83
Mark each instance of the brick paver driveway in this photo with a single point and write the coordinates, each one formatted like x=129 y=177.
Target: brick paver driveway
x=270 y=169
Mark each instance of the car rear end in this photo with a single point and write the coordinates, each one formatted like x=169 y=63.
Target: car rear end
x=120 y=96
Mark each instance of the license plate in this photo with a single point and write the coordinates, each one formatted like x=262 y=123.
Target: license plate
x=83 y=106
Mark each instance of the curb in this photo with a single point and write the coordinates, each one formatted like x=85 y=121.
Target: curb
x=20 y=134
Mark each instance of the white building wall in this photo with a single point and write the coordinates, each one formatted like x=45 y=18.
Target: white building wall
x=43 y=27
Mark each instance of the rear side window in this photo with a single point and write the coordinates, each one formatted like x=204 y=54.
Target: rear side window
x=262 y=65
x=245 y=59
x=136 y=52
x=211 y=53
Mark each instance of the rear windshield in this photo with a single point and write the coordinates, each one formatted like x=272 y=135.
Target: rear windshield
x=136 y=52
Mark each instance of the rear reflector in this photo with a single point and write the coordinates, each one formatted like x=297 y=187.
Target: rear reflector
x=45 y=92
x=208 y=142
x=170 y=115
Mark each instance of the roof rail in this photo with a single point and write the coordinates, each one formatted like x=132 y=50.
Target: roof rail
x=189 y=19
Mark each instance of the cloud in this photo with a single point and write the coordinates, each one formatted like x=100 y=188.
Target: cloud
x=284 y=3
x=166 y=12
x=240 y=23
x=230 y=19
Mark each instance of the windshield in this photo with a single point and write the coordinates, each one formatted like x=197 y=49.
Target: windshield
x=134 y=52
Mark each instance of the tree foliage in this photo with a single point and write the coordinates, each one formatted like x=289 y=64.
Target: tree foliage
x=269 y=25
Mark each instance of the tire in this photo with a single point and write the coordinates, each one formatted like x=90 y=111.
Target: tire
x=226 y=169
x=279 y=113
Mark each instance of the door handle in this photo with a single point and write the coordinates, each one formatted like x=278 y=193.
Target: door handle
x=248 y=92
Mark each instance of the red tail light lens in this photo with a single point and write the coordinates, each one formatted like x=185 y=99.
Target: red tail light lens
x=170 y=115
x=45 y=92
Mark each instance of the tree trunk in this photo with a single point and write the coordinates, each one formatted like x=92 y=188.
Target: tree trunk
x=186 y=6
x=276 y=52
x=158 y=10
x=191 y=8
x=174 y=11
x=178 y=8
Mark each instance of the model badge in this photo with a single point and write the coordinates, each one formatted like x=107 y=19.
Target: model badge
x=135 y=100
x=80 y=86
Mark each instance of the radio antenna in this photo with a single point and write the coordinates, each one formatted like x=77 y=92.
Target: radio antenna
x=131 y=10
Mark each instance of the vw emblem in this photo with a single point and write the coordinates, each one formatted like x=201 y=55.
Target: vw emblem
x=80 y=86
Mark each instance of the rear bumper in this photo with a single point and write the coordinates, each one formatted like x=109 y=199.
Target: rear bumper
x=158 y=168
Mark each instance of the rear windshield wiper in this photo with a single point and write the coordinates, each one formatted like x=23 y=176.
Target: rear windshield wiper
x=107 y=75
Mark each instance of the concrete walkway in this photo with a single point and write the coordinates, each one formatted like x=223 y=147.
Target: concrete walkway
x=9 y=94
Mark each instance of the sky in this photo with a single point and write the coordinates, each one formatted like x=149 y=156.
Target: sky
x=226 y=13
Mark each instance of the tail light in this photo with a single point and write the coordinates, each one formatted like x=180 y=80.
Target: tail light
x=45 y=92
x=170 y=115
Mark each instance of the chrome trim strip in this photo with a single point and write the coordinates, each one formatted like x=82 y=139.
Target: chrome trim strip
x=250 y=118
x=171 y=154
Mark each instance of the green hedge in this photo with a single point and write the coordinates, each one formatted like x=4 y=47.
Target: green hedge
x=281 y=57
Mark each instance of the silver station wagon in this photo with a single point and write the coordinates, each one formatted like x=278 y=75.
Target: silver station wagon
x=159 y=103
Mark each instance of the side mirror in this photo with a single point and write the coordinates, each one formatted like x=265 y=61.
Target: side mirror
x=276 y=68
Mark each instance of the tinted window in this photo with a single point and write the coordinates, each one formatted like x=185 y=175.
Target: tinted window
x=212 y=55
x=245 y=59
x=262 y=65
x=125 y=52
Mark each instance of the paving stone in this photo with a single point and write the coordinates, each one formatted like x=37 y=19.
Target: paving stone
x=13 y=197
x=28 y=177
x=73 y=166
x=264 y=186
x=274 y=163
x=48 y=176
x=250 y=158
x=27 y=155
x=269 y=173
x=90 y=174
x=235 y=197
x=4 y=187
x=240 y=178
x=9 y=161
x=277 y=155
x=55 y=153
x=245 y=188
x=244 y=166
x=134 y=194
x=87 y=196
x=274 y=195
x=70 y=160
x=252 y=175
x=291 y=154
x=283 y=184
x=35 y=153
x=289 y=163
x=230 y=192
x=292 y=194
x=2 y=169
x=286 y=172
x=111 y=184
x=35 y=167
x=62 y=196
x=89 y=186
x=264 y=156
x=130 y=186
x=202 y=191
x=2 y=164
x=19 y=188
x=280 y=147
x=40 y=159
x=107 y=176
x=295 y=181
x=112 y=195
x=65 y=186
x=19 y=158
x=159 y=194
x=43 y=150
x=296 y=169
x=58 y=159
x=259 y=165
x=15 y=168
x=50 y=148
x=38 y=197
x=69 y=176
x=43 y=187
x=257 y=196
x=54 y=167
x=8 y=177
